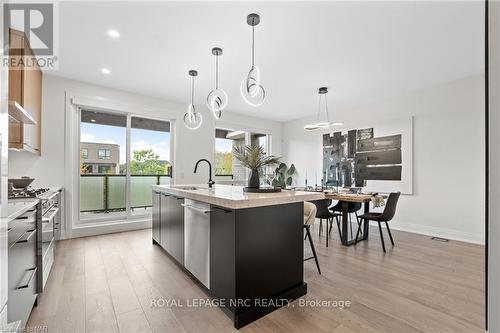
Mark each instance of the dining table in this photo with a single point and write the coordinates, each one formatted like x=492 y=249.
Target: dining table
x=344 y=199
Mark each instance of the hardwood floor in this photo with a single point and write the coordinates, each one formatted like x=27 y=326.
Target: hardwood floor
x=107 y=283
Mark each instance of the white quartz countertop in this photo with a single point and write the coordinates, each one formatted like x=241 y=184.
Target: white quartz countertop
x=17 y=207
x=233 y=197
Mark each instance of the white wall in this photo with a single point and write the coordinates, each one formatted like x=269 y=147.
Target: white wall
x=448 y=155
x=52 y=167
x=494 y=166
x=48 y=169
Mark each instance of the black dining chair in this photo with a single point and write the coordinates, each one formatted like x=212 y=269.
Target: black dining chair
x=352 y=207
x=323 y=213
x=385 y=216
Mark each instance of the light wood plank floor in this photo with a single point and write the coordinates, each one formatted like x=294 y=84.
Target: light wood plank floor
x=106 y=283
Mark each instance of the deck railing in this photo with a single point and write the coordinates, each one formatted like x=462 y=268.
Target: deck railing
x=107 y=193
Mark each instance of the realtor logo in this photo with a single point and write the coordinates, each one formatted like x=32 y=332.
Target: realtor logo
x=38 y=22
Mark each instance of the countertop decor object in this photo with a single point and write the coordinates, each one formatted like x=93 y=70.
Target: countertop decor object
x=217 y=98
x=252 y=91
x=262 y=189
x=192 y=118
x=21 y=183
x=254 y=158
x=322 y=123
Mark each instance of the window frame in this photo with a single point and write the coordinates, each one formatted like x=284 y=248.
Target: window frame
x=105 y=156
x=119 y=217
x=248 y=141
x=86 y=155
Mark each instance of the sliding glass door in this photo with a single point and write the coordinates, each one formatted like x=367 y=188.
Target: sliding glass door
x=121 y=156
x=149 y=162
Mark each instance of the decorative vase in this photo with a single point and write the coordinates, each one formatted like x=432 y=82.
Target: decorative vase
x=254 y=179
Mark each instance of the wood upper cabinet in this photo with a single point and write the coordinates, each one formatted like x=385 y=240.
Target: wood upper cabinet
x=25 y=88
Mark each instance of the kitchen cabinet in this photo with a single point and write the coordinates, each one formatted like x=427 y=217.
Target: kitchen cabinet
x=25 y=95
x=245 y=250
x=156 y=217
x=172 y=226
x=23 y=262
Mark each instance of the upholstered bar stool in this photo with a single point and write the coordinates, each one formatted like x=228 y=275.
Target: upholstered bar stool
x=309 y=217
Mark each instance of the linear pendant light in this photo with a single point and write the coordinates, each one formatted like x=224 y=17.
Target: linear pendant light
x=252 y=91
x=322 y=123
x=192 y=118
x=217 y=98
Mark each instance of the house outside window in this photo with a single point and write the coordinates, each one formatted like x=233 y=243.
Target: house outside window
x=85 y=153
x=104 y=154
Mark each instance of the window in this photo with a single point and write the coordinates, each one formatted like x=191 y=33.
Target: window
x=104 y=154
x=125 y=155
x=227 y=169
x=104 y=169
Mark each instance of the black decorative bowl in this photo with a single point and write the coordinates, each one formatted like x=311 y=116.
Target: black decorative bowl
x=262 y=189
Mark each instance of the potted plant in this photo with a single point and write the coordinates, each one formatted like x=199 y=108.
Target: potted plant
x=284 y=175
x=254 y=158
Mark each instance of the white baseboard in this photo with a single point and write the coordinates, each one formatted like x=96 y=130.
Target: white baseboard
x=108 y=228
x=437 y=232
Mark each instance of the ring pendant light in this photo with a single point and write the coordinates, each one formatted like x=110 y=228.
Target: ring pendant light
x=252 y=91
x=322 y=123
x=217 y=98
x=192 y=118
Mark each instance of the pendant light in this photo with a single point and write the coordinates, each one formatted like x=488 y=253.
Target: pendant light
x=192 y=118
x=322 y=123
x=251 y=90
x=217 y=98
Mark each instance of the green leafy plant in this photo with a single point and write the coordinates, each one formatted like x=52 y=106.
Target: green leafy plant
x=147 y=162
x=254 y=157
x=284 y=175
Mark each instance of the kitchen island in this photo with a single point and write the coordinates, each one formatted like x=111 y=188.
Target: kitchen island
x=245 y=249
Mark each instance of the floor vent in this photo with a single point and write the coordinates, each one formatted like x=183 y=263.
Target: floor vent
x=439 y=239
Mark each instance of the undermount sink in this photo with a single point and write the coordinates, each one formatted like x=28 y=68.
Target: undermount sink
x=186 y=188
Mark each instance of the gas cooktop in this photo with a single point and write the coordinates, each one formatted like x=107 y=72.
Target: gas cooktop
x=27 y=193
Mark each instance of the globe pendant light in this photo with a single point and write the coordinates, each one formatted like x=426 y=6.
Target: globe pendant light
x=251 y=90
x=217 y=98
x=322 y=123
x=192 y=118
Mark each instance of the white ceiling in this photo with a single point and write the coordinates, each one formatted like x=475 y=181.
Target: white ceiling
x=362 y=51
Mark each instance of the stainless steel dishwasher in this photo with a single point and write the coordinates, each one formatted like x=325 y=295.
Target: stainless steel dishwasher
x=197 y=240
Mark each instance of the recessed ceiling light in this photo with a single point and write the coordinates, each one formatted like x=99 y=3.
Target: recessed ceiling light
x=113 y=33
x=92 y=120
x=105 y=71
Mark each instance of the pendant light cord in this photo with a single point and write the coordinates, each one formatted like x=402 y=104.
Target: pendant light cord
x=326 y=109
x=192 y=90
x=216 y=72
x=319 y=108
x=253 y=45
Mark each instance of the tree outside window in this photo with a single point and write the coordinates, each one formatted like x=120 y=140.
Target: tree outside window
x=147 y=162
